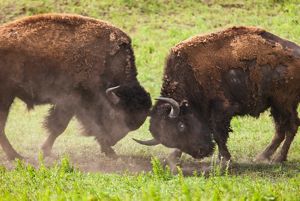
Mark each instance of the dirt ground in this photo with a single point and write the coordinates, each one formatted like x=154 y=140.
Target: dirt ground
x=133 y=164
x=122 y=164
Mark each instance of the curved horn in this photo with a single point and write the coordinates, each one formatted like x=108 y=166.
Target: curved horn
x=152 y=142
x=111 y=95
x=175 y=106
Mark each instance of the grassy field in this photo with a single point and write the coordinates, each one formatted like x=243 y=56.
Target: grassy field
x=155 y=26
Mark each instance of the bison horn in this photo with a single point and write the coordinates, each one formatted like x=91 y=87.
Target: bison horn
x=152 y=142
x=175 y=106
x=111 y=95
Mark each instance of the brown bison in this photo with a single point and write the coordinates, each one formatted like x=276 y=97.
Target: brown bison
x=82 y=66
x=209 y=79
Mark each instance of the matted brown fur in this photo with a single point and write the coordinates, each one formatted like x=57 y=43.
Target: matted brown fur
x=209 y=38
x=211 y=55
x=39 y=35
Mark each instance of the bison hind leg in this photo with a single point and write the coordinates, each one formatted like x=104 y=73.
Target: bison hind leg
x=5 y=104
x=56 y=123
x=286 y=124
x=106 y=148
x=292 y=125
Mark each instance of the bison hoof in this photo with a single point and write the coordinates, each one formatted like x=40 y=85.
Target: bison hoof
x=173 y=164
x=226 y=163
x=14 y=156
x=261 y=158
x=46 y=152
x=279 y=159
x=224 y=160
x=110 y=153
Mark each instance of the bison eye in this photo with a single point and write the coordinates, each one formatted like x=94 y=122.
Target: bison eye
x=181 y=127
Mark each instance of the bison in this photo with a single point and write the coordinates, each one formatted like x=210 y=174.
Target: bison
x=209 y=79
x=82 y=66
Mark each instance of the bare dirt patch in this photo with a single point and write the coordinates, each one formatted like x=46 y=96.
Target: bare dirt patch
x=122 y=164
x=134 y=164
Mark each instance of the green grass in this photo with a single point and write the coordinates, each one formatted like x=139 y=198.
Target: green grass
x=155 y=26
x=63 y=182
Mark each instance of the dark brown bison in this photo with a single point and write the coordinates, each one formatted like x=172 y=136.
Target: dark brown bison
x=209 y=79
x=82 y=66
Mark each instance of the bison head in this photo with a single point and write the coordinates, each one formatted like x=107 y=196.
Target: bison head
x=113 y=114
x=178 y=126
x=130 y=101
x=126 y=109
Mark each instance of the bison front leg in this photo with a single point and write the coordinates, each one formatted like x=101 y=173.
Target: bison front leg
x=106 y=148
x=109 y=137
x=173 y=160
x=221 y=128
x=224 y=154
x=56 y=123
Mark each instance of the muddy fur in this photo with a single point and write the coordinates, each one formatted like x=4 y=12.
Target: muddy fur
x=69 y=61
x=237 y=71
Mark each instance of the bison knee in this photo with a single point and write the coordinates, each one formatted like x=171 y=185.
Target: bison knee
x=57 y=120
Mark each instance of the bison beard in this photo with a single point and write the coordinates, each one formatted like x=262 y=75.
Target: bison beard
x=238 y=71
x=82 y=66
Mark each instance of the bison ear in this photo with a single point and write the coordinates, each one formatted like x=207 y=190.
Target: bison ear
x=112 y=96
